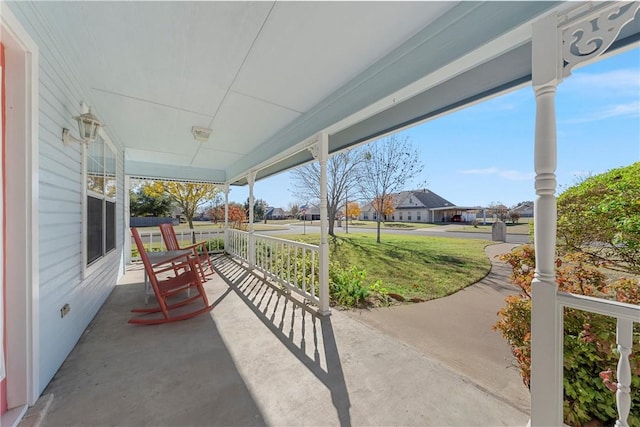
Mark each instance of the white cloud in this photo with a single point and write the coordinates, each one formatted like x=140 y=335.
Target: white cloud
x=510 y=175
x=607 y=83
x=487 y=171
x=627 y=110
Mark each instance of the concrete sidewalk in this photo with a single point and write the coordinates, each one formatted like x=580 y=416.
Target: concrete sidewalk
x=457 y=331
x=259 y=358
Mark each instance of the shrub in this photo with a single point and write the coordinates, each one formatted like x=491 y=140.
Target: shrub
x=590 y=353
x=380 y=293
x=347 y=286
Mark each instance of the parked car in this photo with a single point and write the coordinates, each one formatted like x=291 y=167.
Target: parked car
x=456 y=218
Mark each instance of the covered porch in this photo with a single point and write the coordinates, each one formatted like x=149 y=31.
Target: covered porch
x=261 y=357
x=277 y=85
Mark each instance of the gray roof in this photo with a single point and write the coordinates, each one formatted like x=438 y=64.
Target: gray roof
x=429 y=199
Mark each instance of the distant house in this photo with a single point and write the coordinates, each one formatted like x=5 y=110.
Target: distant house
x=309 y=213
x=276 y=213
x=421 y=206
x=525 y=209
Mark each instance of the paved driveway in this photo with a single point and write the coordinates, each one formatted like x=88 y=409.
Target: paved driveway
x=457 y=331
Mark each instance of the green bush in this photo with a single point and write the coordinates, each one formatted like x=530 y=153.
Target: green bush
x=347 y=286
x=590 y=352
x=215 y=244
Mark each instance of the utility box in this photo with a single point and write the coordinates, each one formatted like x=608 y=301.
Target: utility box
x=499 y=231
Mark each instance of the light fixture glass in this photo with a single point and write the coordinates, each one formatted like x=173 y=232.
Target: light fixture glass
x=88 y=127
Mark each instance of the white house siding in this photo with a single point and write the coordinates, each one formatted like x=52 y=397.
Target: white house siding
x=60 y=210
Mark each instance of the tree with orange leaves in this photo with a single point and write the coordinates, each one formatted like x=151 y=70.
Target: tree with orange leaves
x=384 y=206
x=353 y=210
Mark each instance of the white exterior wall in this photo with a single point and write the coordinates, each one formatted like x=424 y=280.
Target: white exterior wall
x=60 y=211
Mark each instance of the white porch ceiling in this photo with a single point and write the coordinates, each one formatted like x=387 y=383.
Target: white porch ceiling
x=266 y=76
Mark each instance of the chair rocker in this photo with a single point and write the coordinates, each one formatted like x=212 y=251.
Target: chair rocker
x=200 y=250
x=165 y=287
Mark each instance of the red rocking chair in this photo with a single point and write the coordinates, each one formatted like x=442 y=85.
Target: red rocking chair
x=200 y=250
x=166 y=286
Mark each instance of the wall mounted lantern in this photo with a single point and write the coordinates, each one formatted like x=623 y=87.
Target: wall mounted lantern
x=88 y=126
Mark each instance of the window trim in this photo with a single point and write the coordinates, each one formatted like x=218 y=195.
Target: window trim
x=88 y=270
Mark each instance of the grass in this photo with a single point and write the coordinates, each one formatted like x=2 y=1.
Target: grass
x=390 y=225
x=257 y=226
x=416 y=267
x=520 y=228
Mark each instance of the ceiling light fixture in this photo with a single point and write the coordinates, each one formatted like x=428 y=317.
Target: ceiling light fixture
x=201 y=134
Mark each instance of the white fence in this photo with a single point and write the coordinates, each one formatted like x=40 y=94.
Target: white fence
x=626 y=315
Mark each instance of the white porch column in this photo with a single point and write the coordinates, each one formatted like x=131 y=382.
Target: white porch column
x=225 y=189
x=251 y=178
x=546 y=321
x=558 y=45
x=320 y=152
x=127 y=215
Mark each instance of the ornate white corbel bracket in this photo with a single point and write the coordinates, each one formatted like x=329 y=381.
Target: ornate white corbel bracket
x=224 y=188
x=315 y=151
x=591 y=33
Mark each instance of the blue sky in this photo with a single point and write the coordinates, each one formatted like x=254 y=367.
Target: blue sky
x=484 y=153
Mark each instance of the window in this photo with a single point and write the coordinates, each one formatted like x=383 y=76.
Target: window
x=400 y=216
x=101 y=200
x=418 y=218
x=409 y=216
x=365 y=216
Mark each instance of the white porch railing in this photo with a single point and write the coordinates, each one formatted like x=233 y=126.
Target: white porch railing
x=152 y=239
x=294 y=265
x=626 y=315
x=238 y=244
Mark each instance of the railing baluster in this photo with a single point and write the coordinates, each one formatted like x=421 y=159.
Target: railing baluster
x=304 y=267
x=288 y=263
x=313 y=275
x=624 y=339
x=295 y=267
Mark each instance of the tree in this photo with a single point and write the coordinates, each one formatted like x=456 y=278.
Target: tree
x=216 y=214
x=514 y=216
x=293 y=209
x=353 y=210
x=142 y=204
x=237 y=216
x=600 y=217
x=187 y=195
x=259 y=209
x=384 y=206
x=388 y=164
x=342 y=173
x=500 y=210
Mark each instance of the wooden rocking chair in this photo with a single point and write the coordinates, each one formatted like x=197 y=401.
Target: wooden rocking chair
x=166 y=286
x=200 y=250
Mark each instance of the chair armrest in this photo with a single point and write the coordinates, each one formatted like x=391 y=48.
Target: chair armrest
x=195 y=245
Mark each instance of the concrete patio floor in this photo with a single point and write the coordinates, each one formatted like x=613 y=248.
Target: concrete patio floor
x=259 y=358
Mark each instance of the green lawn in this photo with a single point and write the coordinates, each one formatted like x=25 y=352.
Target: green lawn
x=413 y=266
x=205 y=226
x=389 y=225
x=521 y=228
